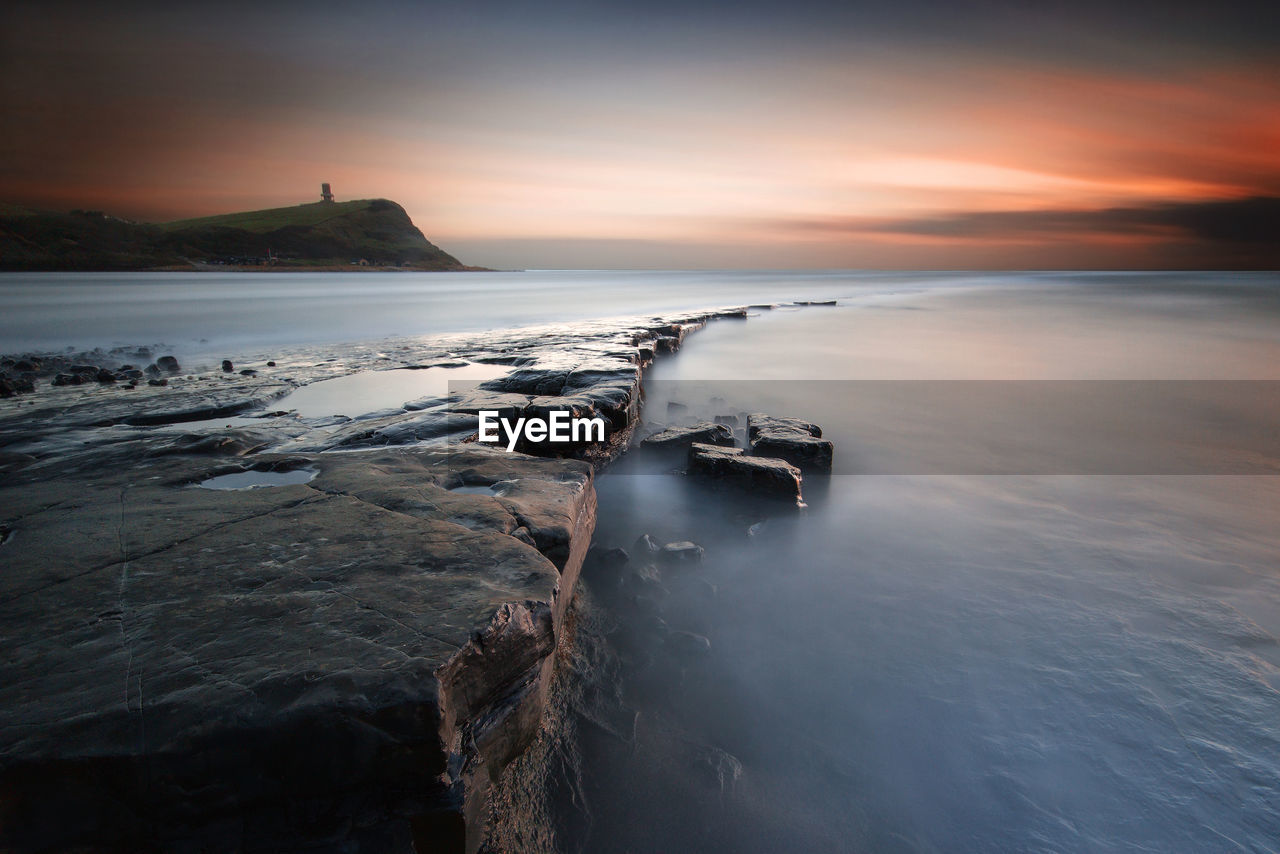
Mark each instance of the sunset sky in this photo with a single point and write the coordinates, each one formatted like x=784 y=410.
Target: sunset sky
x=668 y=134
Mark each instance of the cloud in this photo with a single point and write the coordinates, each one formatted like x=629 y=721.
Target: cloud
x=1252 y=220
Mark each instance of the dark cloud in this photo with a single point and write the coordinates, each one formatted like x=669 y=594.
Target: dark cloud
x=1230 y=233
x=1253 y=220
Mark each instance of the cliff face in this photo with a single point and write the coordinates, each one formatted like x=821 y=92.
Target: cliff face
x=373 y=231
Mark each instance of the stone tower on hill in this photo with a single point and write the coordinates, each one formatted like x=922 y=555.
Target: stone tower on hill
x=326 y=195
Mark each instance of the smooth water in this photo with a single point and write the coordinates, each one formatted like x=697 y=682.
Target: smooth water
x=376 y=391
x=229 y=314
x=1073 y=661
x=256 y=479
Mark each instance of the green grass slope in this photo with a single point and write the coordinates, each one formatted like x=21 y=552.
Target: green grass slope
x=265 y=221
x=374 y=231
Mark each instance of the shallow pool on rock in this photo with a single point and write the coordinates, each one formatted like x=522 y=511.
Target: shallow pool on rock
x=378 y=391
x=254 y=479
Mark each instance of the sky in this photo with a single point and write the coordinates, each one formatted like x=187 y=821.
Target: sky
x=567 y=134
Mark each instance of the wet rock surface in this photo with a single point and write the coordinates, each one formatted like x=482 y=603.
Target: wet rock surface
x=329 y=644
x=773 y=477
x=798 y=442
x=342 y=664
x=705 y=433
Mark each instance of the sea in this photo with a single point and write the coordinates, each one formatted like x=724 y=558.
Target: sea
x=1035 y=607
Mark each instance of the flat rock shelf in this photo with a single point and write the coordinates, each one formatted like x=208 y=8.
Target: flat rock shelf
x=341 y=664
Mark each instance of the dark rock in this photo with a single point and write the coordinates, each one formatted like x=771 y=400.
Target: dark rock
x=816 y=302
x=105 y=377
x=89 y=370
x=704 y=432
x=7 y=389
x=129 y=374
x=152 y=369
x=666 y=344
x=227 y=367
x=757 y=422
x=613 y=558
x=68 y=379
x=248 y=372
x=646 y=545
x=168 y=363
x=26 y=365
x=160 y=382
x=360 y=650
x=776 y=478
x=271 y=364
x=688 y=644
x=682 y=552
x=791 y=439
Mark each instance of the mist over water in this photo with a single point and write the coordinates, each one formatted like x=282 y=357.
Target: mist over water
x=953 y=662
x=1020 y=617
x=231 y=313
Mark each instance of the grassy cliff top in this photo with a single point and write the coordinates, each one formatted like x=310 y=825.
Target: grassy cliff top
x=375 y=232
x=261 y=222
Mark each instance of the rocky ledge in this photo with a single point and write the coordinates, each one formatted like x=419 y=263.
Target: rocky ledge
x=341 y=662
x=798 y=442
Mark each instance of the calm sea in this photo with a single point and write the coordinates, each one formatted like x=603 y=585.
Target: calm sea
x=1036 y=609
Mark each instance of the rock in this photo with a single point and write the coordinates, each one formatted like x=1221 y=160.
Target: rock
x=613 y=558
x=727 y=420
x=129 y=374
x=721 y=767
x=271 y=364
x=26 y=365
x=68 y=379
x=682 y=552
x=160 y=382
x=88 y=370
x=772 y=477
x=25 y=384
x=791 y=439
x=182 y=669
x=248 y=372
x=227 y=367
x=6 y=389
x=105 y=377
x=705 y=432
x=152 y=369
x=758 y=422
x=666 y=344
x=688 y=644
x=646 y=545
x=676 y=408
x=358 y=648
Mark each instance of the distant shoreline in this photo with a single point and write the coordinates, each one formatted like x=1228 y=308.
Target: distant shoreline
x=278 y=268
